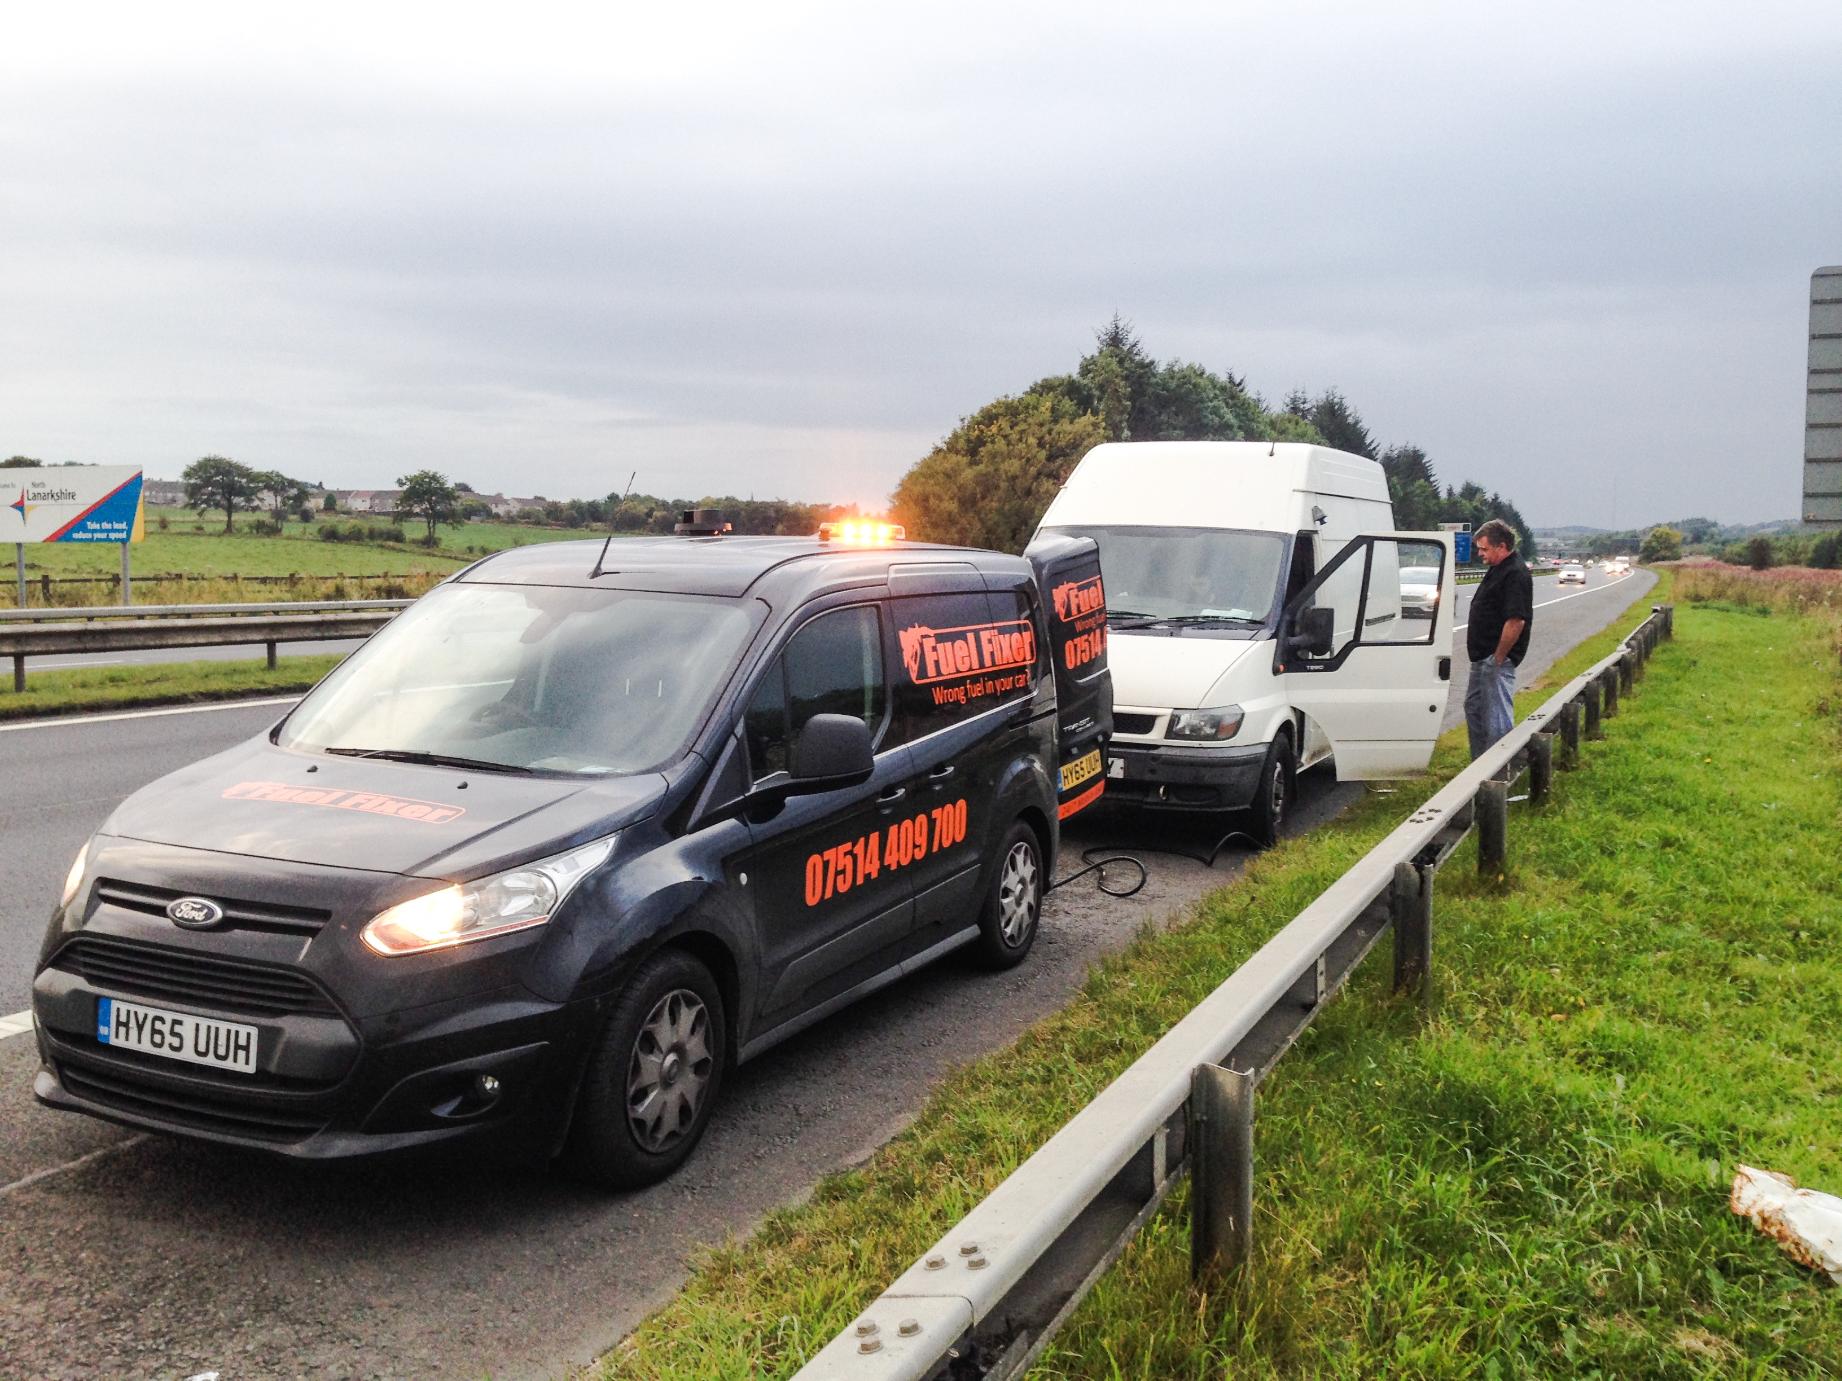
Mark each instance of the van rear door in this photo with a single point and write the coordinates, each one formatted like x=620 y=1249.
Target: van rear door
x=1074 y=598
x=1365 y=650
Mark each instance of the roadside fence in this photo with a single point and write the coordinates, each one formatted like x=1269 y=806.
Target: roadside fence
x=987 y=1297
x=114 y=628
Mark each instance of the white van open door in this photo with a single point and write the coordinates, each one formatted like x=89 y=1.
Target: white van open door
x=1366 y=651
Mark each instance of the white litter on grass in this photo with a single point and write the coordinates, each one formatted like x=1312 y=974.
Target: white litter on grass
x=1806 y=1223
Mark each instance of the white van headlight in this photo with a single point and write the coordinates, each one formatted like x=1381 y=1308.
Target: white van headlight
x=460 y=913
x=1207 y=726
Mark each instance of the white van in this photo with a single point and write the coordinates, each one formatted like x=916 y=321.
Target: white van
x=1256 y=620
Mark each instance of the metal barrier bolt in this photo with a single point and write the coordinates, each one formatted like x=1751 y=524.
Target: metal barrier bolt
x=908 y=1327
x=968 y=1248
x=866 y=1328
x=869 y=1345
x=935 y=1263
x=977 y=1263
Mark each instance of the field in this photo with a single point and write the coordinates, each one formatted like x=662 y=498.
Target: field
x=1527 y=1177
x=195 y=561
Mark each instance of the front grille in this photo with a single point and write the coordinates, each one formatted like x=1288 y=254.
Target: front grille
x=200 y=980
x=122 y=1090
x=1134 y=723
x=238 y=915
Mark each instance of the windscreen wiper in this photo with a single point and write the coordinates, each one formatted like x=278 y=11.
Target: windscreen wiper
x=431 y=759
x=1141 y=620
x=1193 y=619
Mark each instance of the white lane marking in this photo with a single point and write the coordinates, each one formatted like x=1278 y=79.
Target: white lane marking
x=1546 y=602
x=78 y=1163
x=147 y=714
x=16 y=1025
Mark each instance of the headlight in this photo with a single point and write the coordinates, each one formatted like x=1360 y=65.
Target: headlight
x=458 y=914
x=1211 y=726
x=74 y=878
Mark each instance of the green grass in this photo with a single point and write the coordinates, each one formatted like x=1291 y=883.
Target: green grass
x=1530 y=1180
x=176 y=683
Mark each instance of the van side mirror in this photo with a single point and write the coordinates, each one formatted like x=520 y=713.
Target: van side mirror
x=831 y=751
x=1316 y=632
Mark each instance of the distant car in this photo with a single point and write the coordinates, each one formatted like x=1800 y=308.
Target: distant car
x=1621 y=565
x=1571 y=575
x=1419 y=591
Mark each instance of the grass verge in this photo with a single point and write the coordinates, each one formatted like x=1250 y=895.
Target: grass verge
x=164 y=683
x=1529 y=1177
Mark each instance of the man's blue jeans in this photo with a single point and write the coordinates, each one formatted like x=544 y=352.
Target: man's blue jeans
x=1489 y=703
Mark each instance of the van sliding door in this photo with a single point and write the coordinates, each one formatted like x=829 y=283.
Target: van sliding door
x=1374 y=672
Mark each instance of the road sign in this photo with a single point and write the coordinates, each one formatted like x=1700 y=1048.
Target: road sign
x=1823 y=402
x=1461 y=547
x=71 y=503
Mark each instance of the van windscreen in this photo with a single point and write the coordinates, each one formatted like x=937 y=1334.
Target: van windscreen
x=530 y=678
x=1206 y=579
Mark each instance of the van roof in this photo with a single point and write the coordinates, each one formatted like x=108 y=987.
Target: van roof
x=1244 y=484
x=726 y=565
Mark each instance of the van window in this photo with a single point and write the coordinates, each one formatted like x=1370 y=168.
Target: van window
x=936 y=672
x=1382 y=590
x=832 y=665
x=1204 y=579
x=530 y=678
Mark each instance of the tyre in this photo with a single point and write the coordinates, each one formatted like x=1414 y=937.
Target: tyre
x=652 y=1076
x=1013 y=900
x=1272 y=801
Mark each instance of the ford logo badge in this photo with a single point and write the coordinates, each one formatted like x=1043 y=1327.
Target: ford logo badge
x=194 y=913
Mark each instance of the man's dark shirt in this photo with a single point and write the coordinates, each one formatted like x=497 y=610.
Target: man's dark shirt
x=1506 y=592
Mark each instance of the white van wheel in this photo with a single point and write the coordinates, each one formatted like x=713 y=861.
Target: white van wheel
x=1272 y=802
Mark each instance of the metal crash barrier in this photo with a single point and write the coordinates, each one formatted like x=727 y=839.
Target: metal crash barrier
x=78 y=632
x=987 y=1297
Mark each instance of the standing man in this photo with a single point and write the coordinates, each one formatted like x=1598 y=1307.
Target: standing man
x=1498 y=636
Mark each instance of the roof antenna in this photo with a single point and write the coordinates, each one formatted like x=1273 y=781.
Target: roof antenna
x=604 y=546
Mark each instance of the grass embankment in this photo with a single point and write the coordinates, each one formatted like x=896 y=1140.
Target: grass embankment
x=1529 y=1179
x=177 y=683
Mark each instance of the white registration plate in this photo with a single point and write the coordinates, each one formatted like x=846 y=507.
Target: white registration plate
x=176 y=1035
x=1116 y=768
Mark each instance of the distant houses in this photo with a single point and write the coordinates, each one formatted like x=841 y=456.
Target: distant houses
x=372 y=502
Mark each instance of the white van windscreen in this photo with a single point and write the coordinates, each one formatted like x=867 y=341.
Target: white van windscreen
x=1210 y=579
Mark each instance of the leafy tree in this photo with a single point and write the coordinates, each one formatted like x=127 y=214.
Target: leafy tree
x=213 y=482
x=987 y=483
x=429 y=496
x=20 y=463
x=1286 y=426
x=330 y=504
x=1824 y=552
x=1661 y=544
x=1759 y=553
x=281 y=493
x=1413 y=488
x=1336 y=421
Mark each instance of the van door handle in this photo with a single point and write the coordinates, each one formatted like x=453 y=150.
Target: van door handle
x=940 y=774
x=892 y=795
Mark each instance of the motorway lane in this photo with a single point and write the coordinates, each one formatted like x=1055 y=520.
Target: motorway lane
x=150 y=1256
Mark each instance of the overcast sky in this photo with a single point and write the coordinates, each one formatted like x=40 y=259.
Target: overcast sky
x=782 y=249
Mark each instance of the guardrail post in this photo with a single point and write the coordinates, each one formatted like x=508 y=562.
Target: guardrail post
x=1627 y=673
x=1411 y=903
x=1570 y=733
x=1608 y=687
x=271 y=648
x=1221 y=1169
x=1594 y=727
x=19 y=673
x=1541 y=764
x=1492 y=826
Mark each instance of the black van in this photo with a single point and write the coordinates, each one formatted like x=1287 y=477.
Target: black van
x=573 y=835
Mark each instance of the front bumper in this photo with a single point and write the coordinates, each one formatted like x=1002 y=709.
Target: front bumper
x=1203 y=778
x=354 y=1054
x=325 y=1087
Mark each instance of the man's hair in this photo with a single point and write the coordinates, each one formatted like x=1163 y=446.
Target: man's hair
x=1500 y=533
